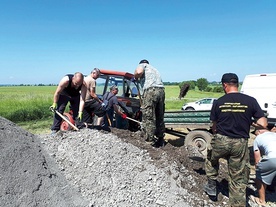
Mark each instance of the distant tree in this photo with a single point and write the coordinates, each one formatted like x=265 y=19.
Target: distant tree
x=218 y=89
x=202 y=84
x=209 y=89
x=170 y=83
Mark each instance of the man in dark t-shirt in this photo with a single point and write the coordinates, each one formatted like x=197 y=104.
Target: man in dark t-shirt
x=113 y=106
x=70 y=89
x=231 y=116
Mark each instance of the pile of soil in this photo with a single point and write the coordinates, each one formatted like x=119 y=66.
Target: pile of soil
x=28 y=175
x=100 y=168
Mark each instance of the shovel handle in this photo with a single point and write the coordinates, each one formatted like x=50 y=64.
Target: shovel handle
x=134 y=120
x=141 y=124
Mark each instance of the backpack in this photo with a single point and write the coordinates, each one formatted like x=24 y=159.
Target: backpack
x=105 y=105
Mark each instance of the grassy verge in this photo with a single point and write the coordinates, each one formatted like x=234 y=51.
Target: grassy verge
x=28 y=106
x=38 y=126
x=25 y=103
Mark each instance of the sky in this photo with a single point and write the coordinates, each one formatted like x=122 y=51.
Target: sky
x=43 y=40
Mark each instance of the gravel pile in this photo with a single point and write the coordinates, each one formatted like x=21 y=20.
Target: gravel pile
x=110 y=172
x=100 y=169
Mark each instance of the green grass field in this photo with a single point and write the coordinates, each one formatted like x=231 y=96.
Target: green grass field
x=25 y=103
x=28 y=106
x=174 y=103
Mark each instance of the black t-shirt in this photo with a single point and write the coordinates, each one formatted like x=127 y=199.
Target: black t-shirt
x=233 y=113
x=69 y=90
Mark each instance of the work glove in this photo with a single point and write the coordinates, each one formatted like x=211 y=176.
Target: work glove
x=79 y=124
x=53 y=107
x=80 y=115
x=124 y=116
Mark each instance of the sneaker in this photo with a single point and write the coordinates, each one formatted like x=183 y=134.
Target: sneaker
x=211 y=187
x=54 y=132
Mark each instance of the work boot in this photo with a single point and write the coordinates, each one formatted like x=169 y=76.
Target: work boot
x=211 y=187
x=153 y=141
x=161 y=142
x=195 y=154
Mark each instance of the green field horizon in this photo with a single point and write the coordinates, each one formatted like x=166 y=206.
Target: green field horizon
x=28 y=106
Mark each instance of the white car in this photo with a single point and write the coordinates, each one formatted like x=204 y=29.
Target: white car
x=202 y=104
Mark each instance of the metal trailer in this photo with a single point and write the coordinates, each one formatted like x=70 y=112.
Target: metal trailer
x=197 y=124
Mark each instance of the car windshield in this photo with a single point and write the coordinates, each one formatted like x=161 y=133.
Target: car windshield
x=206 y=101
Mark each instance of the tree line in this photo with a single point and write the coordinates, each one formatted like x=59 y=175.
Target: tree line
x=203 y=85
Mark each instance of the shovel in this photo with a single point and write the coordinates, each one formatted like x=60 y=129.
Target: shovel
x=141 y=124
x=65 y=119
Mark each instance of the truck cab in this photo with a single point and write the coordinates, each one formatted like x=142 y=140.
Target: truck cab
x=128 y=91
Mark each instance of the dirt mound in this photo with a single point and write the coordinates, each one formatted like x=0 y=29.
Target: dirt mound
x=28 y=176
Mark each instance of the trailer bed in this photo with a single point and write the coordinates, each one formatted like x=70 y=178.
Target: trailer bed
x=187 y=119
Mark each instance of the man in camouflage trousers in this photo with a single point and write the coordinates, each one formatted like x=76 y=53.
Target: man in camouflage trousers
x=231 y=116
x=153 y=102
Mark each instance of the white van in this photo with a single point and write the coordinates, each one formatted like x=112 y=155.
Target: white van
x=263 y=88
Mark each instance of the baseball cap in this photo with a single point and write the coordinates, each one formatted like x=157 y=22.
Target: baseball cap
x=144 y=61
x=229 y=78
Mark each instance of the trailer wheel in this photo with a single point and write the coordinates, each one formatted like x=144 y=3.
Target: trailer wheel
x=199 y=139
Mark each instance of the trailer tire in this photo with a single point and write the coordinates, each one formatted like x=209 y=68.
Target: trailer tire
x=199 y=139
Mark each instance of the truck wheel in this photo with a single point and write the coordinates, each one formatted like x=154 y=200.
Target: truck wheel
x=199 y=139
